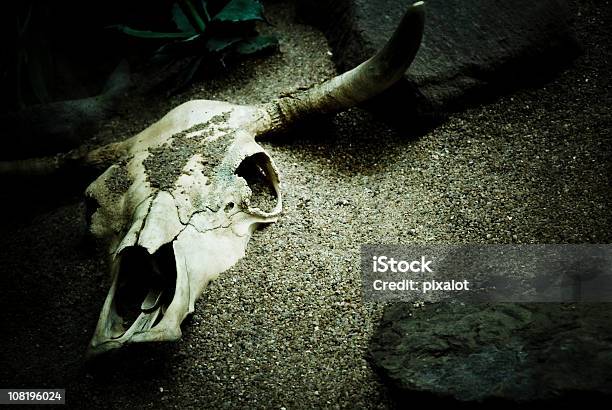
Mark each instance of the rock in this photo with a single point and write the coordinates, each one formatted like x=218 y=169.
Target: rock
x=508 y=351
x=470 y=50
x=46 y=129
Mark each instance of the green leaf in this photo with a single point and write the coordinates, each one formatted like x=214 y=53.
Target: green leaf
x=182 y=47
x=256 y=44
x=194 y=15
x=205 y=9
x=218 y=44
x=148 y=34
x=241 y=10
x=180 y=20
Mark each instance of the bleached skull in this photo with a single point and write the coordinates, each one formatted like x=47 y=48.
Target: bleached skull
x=178 y=211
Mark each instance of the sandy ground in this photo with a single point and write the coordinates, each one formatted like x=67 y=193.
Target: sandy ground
x=286 y=327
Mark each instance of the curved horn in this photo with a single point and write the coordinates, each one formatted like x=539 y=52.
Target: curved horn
x=81 y=158
x=359 y=84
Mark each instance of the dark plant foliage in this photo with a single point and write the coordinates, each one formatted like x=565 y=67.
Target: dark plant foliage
x=206 y=31
x=26 y=65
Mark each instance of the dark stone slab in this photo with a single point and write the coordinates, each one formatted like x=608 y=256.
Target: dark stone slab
x=471 y=49
x=508 y=351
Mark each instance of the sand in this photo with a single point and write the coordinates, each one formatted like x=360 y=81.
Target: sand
x=286 y=327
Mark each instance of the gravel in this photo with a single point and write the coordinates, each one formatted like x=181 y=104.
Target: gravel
x=286 y=327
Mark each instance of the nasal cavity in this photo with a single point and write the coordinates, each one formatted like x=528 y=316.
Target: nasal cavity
x=146 y=285
x=257 y=171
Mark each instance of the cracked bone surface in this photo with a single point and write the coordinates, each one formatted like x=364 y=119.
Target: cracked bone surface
x=178 y=212
x=179 y=201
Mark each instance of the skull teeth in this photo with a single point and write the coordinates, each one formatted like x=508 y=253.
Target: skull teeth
x=144 y=322
x=151 y=301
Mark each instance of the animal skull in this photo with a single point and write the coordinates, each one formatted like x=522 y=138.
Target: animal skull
x=178 y=211
x=180 y=200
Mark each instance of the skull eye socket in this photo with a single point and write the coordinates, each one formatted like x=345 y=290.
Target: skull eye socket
x=260 y=176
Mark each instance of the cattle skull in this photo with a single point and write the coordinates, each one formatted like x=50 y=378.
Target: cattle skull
x=178 y=211
x=178 y=202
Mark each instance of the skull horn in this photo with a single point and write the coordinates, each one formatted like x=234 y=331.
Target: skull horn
x=359 y=84
x=97 y=159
